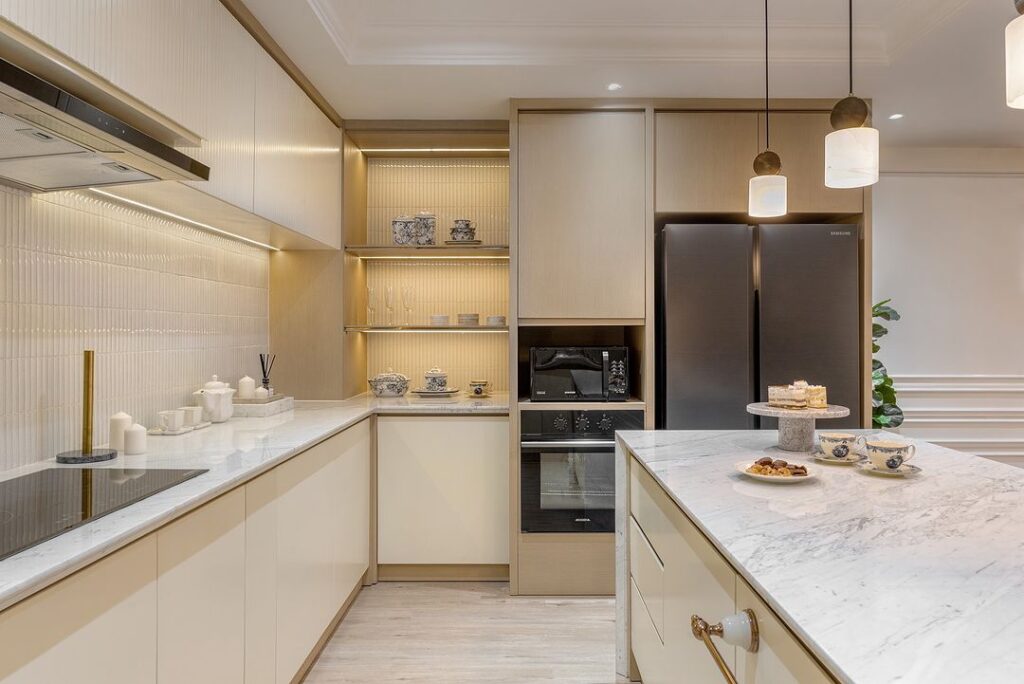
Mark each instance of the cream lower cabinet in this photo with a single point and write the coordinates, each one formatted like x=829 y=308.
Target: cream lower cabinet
x=442 y=496
x=676 y=573
x=307 y=548
x=97 y=626
x=201 y=594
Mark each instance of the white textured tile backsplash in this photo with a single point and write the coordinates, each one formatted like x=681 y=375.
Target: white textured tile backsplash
x=163 y=304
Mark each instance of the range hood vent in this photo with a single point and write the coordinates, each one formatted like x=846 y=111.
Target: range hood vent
x=53 y=140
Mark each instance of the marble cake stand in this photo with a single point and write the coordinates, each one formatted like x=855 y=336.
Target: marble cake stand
x=796 y=426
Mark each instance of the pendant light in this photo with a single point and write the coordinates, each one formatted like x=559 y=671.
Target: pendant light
x=766 y=195
x=851 y=150
x=1015 y=59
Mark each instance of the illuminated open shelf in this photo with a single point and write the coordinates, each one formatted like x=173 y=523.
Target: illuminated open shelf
x=429 y=252
x=427 y=328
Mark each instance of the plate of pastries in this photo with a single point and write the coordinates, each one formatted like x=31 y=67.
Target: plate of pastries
x=775 y=470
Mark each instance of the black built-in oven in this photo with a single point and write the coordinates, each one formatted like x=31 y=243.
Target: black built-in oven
x=579 y=373
x=567 y=469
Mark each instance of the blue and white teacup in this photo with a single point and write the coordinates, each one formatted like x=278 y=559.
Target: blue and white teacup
x=889 y=455
x=838 y=444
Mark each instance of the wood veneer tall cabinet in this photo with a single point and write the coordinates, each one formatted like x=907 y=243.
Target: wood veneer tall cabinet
x=581 y=214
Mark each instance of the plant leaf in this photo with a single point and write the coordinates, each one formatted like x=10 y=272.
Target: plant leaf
x=876 y=399
x=878 y=330
x=886 y=313
x=874 y=347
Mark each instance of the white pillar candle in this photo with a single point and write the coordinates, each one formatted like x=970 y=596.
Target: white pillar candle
x=119 y=422
x=246 y=388
x=135 y=440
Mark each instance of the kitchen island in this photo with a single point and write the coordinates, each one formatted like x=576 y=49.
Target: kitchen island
x=856 y=578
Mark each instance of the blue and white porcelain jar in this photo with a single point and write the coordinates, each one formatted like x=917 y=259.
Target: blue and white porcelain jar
x=403 y=230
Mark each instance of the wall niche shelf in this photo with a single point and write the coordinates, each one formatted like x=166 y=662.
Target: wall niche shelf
x=429 y=252
x=427 y=328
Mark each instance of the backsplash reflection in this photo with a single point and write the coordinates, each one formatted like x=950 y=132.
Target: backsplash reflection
x=163 y=304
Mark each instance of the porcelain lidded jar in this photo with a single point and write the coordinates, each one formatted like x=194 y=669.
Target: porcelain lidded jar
x=216 y=398
x=403 y=230
x=463 y=230
x=436 y=379
x=426 y=228
x=389 y=384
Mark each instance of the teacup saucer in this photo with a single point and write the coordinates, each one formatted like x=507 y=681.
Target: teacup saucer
x=850 y=459
x=169 y=433
x=905 y=470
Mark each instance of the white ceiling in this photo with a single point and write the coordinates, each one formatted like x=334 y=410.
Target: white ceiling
x=939 y=62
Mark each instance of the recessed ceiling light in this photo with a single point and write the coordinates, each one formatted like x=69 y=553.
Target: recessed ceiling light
x=893 y=117
x=614 y=86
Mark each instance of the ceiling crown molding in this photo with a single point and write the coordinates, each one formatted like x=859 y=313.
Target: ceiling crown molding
x=333 y=25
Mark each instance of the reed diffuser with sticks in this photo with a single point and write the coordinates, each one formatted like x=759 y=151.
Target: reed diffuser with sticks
x=266 y=364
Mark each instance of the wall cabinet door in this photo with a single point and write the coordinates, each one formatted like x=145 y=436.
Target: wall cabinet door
x=298 y=158
x=442 y=490
x=201 y=594
x=97 y=626
x=799 y=138
x=703 y=161
x=224 y=101
x=780 y=658
x=582 y=214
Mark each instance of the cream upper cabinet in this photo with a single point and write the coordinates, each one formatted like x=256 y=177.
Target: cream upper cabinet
x=799 y=139
x=442 y=490
x=582 y=214
x=97 y=626
x=703 y=161
x=298 y=158
x=224 y=100
x=201 y=594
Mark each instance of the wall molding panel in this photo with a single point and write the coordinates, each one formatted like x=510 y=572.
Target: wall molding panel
x=979 y=414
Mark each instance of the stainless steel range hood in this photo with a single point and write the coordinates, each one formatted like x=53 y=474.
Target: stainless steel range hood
x=53 y=140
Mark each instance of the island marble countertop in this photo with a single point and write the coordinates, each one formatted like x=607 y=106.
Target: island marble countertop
x=885 y=580
x=233 y=452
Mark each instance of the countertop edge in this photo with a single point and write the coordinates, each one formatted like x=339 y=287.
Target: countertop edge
x=19 y=592
x=41 y=581
x=808 y=642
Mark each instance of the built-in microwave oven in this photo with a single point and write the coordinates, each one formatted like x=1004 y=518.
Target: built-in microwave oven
x=579 y=373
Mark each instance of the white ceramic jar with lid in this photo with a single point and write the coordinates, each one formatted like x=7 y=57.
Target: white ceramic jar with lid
x=436 y=380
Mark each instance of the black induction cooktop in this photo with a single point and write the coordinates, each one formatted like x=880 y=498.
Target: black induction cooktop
x=43 y=504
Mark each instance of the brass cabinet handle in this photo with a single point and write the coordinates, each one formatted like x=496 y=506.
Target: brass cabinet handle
x=739 y=630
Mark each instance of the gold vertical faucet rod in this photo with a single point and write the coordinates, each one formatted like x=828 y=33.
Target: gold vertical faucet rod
x=87 y=388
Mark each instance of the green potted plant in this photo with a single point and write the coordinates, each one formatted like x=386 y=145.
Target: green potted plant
x=885 y=413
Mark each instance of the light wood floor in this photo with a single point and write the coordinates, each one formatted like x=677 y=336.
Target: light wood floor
x=460 y=632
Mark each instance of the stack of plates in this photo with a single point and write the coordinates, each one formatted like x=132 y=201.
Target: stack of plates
x=469 y=319
x=442 y=394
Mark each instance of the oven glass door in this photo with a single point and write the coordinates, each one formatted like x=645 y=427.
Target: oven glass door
x=567 y=488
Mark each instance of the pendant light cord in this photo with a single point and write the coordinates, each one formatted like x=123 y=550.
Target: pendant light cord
x=767 y=134
x=850 y=44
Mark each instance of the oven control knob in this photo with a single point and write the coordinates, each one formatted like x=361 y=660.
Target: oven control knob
x=582 y=423
x=605 y=423
x=560 y=423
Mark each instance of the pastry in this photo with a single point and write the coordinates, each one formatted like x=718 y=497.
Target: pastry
x=776 y=468
x=798 y=395
x=787 y=396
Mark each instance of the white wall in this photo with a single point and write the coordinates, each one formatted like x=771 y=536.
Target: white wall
x=949 y=250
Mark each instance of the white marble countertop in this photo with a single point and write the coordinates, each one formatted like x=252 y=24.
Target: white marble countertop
x=233 y=452
x=885 y=580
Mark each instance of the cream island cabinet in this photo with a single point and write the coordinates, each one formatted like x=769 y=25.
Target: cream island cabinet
x=241 y=589
x=674 y=574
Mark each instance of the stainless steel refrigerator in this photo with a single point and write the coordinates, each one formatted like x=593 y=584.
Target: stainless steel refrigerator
x=741 y=307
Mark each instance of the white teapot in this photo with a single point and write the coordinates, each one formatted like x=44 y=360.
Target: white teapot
x=216 y=399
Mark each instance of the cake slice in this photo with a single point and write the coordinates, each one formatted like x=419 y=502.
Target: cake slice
x=787 y=396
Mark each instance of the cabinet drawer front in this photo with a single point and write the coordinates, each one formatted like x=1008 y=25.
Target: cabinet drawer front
x=780 y=658
x=648 y=573
x=648 y=650
x=651 y=516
